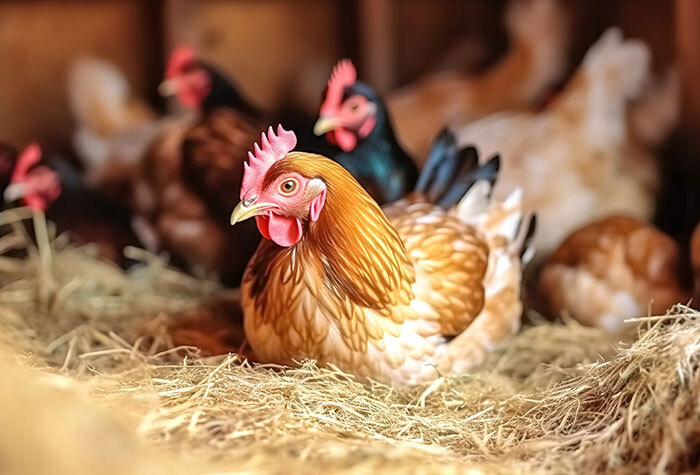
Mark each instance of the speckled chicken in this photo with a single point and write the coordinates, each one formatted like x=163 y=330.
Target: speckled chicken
x=401 y=294
x=535 y=61
x=612 y=270
x=571 y=159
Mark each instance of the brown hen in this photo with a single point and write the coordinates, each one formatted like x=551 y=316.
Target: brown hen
x=183 y=195
x=612 y=270
x=400 y=294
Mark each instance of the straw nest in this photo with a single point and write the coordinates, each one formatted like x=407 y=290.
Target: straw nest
x=91 y=384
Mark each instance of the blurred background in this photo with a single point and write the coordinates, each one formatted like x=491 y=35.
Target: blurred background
x=280 y=53
x=275 y=47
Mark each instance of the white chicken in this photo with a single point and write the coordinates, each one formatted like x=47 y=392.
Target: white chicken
x=113 y=127
x=571 y=159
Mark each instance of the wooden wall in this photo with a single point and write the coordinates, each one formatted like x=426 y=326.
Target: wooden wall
x=38 y=40
x=272 y=47
x=276 y=49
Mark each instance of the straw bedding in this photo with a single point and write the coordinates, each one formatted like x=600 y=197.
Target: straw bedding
x=91 y=383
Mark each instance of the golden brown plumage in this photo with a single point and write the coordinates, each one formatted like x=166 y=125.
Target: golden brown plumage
x=379 y=293
x=612 y=270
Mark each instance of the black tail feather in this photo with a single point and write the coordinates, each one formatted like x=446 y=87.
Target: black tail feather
x=440 y=167
x=464 y=181
x=449 y=172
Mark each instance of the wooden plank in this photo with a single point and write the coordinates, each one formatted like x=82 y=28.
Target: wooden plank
x=38 y=42
x=688 y=41
x=180 y=24
x=377 y=43
x=277 y=51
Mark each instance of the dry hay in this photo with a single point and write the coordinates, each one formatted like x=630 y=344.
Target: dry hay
x=90 y=386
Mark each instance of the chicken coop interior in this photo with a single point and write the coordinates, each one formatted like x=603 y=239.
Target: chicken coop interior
x=412 y=236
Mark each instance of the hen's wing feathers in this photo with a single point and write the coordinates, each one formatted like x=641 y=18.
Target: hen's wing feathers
x=450 y=259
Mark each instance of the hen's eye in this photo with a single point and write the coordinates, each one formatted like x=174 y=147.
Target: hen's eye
x=289 y=186
x=354 y=107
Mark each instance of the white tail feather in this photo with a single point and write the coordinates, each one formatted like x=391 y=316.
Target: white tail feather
x=493 y=218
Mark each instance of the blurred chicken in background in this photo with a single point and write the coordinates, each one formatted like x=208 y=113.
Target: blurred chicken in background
x=185 y=184
x=612 y=270
x=113 y=127
x=354 y=119
x=56 y=188
x=177 y=173
x=534 y=63
x=573 y=159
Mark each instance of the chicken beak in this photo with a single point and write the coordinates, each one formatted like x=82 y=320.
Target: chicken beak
x=14 y=192
x=326 y=124
x=168 y=87
x=242 y=212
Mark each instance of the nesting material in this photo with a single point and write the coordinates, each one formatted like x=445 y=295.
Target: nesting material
x=91 y=382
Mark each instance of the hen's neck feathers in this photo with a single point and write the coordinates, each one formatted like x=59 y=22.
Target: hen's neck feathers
x=359 y=253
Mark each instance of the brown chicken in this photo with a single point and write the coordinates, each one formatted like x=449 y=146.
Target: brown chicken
x=182 y=193
x=534 y=63
x=401 y=294
x=182 y=196
x=612 y=270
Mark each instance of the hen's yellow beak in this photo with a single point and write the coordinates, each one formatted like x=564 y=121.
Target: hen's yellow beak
x=168 y=87
x=242 y=212
x=326 y=124
x=14 y=192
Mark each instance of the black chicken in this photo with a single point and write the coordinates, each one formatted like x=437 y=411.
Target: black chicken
x=354 y=118
x=58 y=189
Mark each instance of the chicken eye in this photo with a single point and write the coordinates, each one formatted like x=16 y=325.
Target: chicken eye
x=288 y=187
x=354 y=107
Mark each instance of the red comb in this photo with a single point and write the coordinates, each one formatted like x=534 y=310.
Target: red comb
x=28 y=158
x=274 y=147
x=42 y=182
x=181 y=57
x=343 y=75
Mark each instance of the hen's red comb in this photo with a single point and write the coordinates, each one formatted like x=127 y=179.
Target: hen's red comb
x=342 y=76
x=27 y=159
x=181 y=57
x=274 y=147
